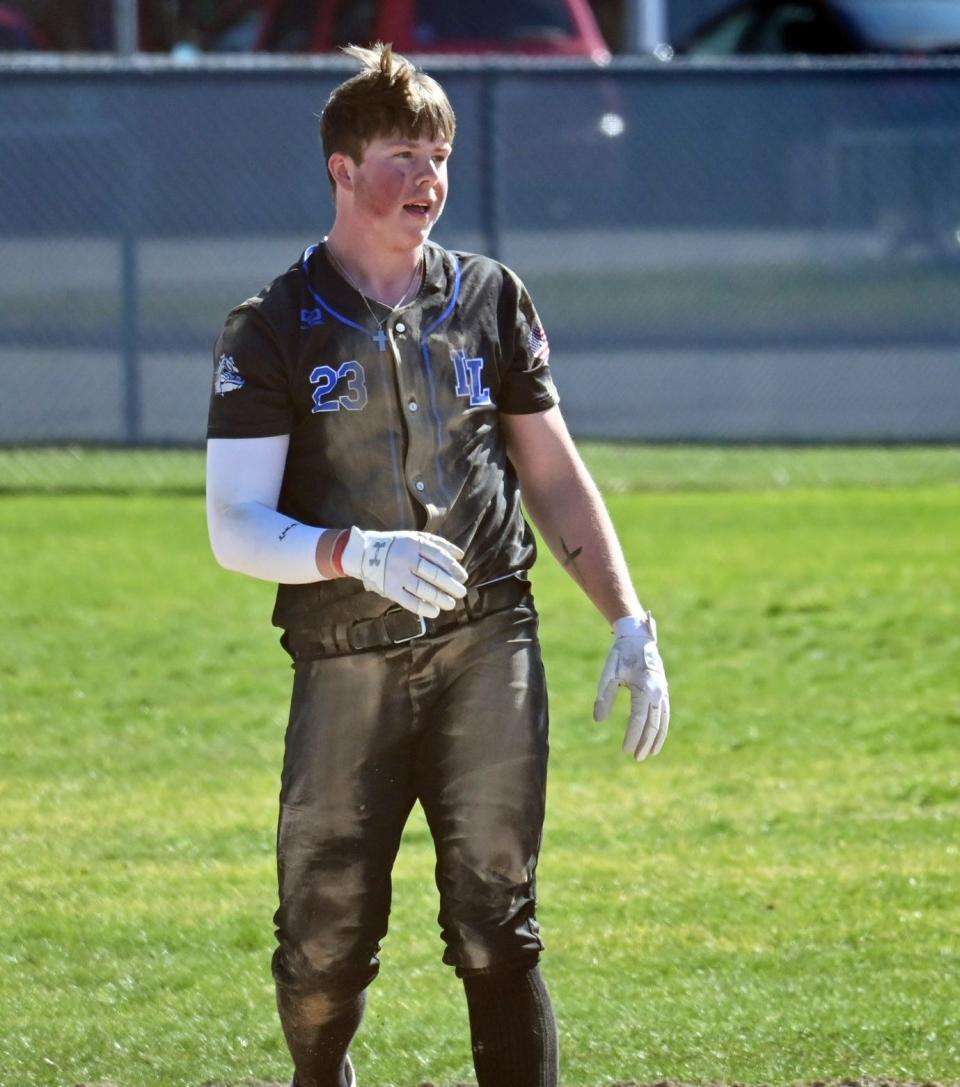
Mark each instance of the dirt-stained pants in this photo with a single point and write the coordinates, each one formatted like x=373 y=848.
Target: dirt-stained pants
x=457 y=721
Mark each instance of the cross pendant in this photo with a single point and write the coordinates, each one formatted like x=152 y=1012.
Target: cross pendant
x=381 y=339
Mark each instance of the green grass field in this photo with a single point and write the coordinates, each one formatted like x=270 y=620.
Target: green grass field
x=774 y=899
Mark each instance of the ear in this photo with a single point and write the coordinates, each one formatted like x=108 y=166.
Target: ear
x=341 y=169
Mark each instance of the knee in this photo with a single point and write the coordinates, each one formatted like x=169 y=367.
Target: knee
x=332 y=981
x=488 y=921
x=330 y=967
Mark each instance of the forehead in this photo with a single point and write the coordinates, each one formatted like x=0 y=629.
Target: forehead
x=413 y=143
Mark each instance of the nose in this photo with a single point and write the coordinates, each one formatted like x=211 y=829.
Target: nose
x=429 y=172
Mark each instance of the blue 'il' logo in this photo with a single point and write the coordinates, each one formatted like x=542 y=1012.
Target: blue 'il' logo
x=470 y=380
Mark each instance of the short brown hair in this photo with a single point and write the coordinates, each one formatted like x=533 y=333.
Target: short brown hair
x=388 y=96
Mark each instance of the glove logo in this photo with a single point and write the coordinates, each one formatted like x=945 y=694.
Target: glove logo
x=228 y=378
x=378 y=547
x=470 y=380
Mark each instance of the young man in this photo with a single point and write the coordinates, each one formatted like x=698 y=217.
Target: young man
x=376 y=412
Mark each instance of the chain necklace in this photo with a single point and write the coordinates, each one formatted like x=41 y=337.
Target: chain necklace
x=379 y=337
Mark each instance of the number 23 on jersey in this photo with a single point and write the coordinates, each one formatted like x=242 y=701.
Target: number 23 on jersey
x=327 y=378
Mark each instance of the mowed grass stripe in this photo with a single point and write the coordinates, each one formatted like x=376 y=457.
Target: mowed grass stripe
x=618 y=468
x=773 y=899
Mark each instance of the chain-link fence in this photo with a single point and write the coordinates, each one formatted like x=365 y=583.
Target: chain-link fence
x=731 y=252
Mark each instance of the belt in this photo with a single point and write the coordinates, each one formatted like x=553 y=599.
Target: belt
x=397 y=626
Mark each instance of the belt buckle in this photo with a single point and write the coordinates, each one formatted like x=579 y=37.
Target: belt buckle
x=419 y=632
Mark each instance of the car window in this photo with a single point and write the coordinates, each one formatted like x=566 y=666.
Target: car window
x=798 y=28
x=724 y=37
x=291 y=29
x=354 y=22
x=487 y=20
x=908 y=24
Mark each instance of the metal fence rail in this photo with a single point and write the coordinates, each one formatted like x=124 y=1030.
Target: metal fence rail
x=720 y=252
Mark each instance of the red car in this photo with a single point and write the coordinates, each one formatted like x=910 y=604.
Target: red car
x=541 y=27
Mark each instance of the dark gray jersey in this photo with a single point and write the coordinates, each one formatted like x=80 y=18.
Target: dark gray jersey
x=391 y=428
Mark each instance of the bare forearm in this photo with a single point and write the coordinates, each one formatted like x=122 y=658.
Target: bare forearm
x=565 y=505
x=576 y=526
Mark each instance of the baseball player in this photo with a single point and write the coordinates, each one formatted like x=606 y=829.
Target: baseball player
x=376 y=412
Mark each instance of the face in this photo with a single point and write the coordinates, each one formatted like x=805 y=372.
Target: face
x=400 y=187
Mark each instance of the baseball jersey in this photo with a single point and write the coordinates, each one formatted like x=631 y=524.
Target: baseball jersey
x=392 y=427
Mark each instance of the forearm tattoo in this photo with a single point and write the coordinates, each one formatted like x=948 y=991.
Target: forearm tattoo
x=570 y=557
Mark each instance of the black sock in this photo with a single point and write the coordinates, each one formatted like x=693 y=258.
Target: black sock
x=512 y=1029
x=319 y=1049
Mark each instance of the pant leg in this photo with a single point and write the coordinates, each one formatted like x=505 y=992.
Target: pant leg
x=481 y=777
x=347 y=789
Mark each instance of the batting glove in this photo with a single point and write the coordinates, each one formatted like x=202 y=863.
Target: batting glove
x=416 y=570
x=634 y=662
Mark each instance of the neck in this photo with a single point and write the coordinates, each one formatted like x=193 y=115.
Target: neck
x=385 y=275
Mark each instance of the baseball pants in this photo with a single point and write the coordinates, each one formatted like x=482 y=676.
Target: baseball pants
x=458 y=721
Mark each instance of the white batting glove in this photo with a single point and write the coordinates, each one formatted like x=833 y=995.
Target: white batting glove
x=416 y=570
x=634 y=662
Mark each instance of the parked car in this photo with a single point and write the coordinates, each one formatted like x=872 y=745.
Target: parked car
x=16 y=31
x=542 y=27
x=554 y=180
x=828 y=27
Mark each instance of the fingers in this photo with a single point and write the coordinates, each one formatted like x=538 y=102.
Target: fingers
x=634 y=737
x=647 y=727
x=416 y=604
x=664 y=725
x=421 y=573
x=443 y=573
x=606 y=688
x=431 y=597
x=449 y=548
x=438 y=580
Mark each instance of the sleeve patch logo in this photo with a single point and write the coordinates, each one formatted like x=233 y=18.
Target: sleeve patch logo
x=537 y=343
x=227 y=378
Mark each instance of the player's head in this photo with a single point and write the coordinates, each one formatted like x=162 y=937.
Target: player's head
x=387 y=97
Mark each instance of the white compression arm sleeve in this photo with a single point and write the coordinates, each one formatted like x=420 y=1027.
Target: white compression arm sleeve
x=247 y=533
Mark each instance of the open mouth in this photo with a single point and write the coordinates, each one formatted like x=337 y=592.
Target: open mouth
x=420 y=208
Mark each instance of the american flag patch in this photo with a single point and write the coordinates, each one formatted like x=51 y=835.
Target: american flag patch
x=537 y=343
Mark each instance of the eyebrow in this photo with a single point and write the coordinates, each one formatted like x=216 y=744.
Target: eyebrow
x=446 y=145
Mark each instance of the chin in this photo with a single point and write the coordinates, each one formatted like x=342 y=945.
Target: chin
x=418 y=235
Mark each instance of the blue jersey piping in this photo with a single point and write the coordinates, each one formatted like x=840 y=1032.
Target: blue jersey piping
x=320 y=302
x=425 y=349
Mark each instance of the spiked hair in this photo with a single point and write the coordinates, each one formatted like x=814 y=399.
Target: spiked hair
x=387 y=97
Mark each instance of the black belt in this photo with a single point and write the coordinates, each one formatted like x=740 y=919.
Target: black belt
x=398 y=625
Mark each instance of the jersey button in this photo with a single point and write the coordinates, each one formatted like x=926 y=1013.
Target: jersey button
x=413 y=406
x=420 y=485
x=400 y=327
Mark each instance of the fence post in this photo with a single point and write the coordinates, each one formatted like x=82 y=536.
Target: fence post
x=125 y=25
x=490 y=187
x=130 y=228
x=646 y=25
x=130 y=334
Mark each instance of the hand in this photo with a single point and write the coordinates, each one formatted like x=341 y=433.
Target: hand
x=416 y=570
x=634 y=662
